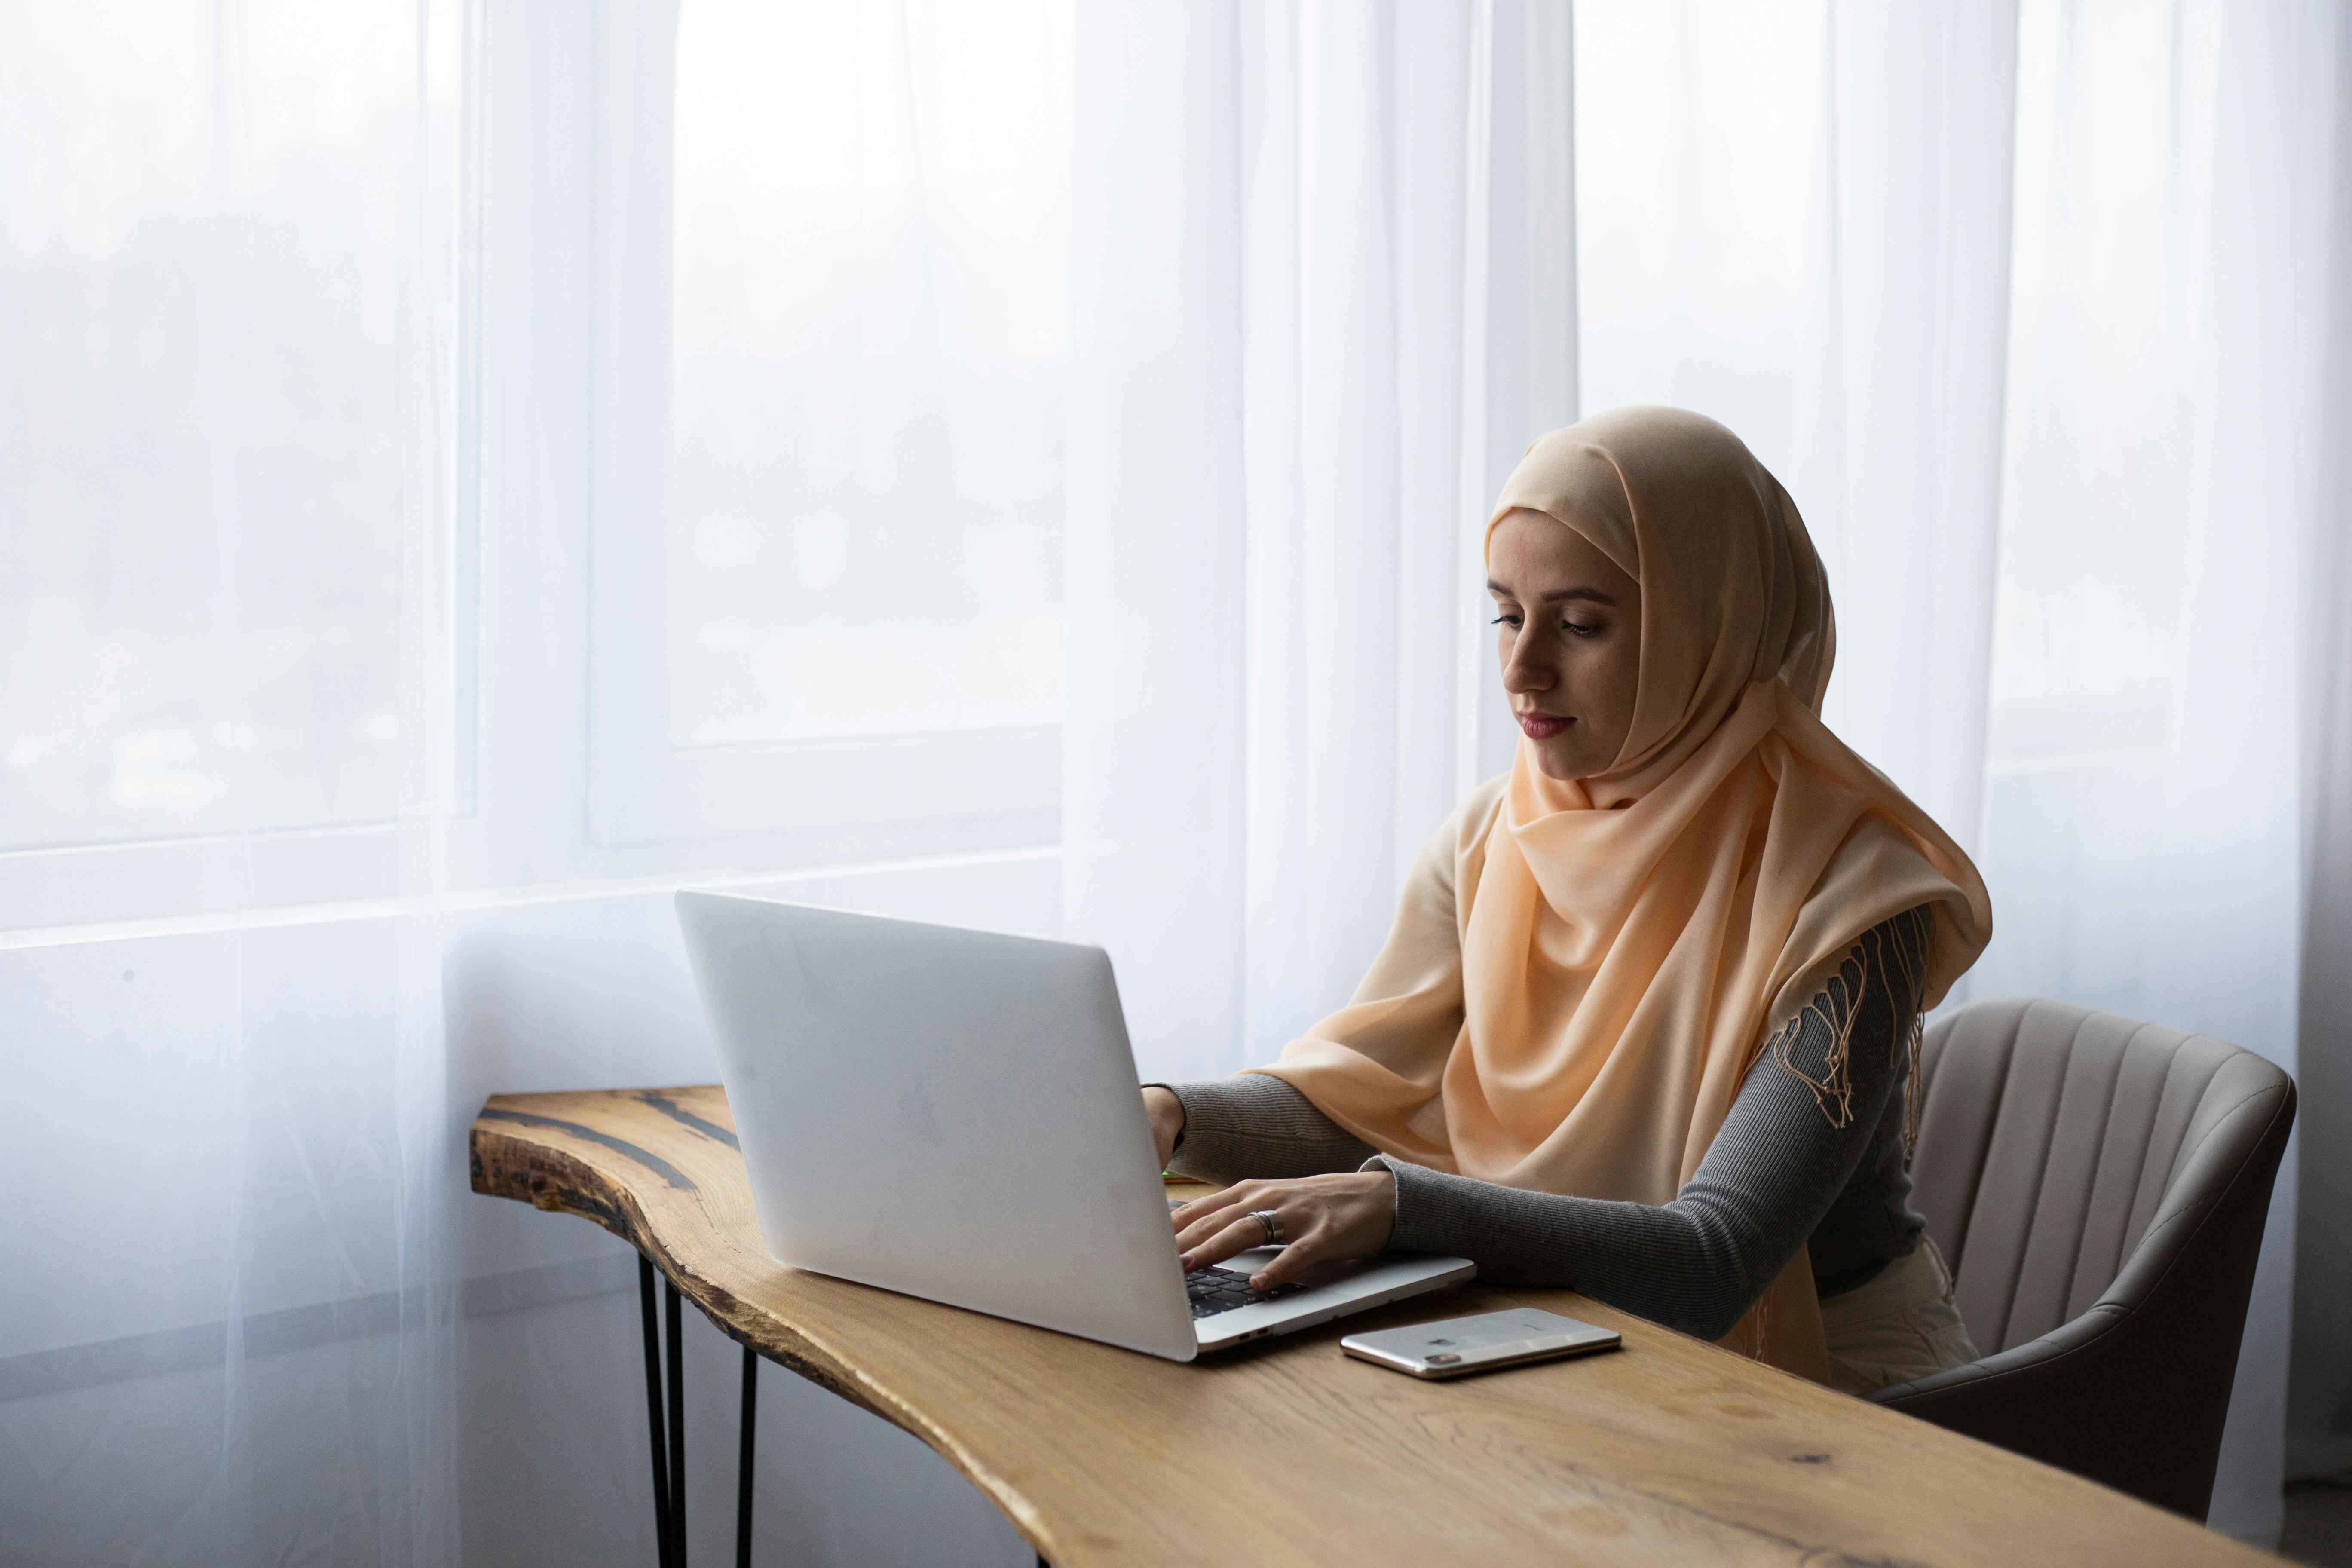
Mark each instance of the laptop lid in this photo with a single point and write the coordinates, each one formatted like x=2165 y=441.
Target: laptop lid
x=944 y=1112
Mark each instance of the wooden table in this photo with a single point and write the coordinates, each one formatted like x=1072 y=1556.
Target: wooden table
x=1669 y=1451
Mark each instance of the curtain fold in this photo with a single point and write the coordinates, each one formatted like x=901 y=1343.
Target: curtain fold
x=1897 y=450
x=1318 y=265
x=229 y=1326
x=2170 y=551
x=2319 y=1381
x=2228 y=959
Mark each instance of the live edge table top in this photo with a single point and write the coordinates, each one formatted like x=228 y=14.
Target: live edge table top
x=1668 y=1451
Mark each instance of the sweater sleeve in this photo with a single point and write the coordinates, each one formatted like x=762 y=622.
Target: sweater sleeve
x=1252 y=1125
x=1811 y=1106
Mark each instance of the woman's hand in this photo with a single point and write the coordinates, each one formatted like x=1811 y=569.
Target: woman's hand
x=1167 y=1113
x=1323 y=1218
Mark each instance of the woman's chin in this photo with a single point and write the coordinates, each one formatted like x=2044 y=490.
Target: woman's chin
x=1560 y=758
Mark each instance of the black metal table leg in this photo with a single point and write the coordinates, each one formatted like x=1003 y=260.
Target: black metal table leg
x=677 y=1427
x=654 y=1423
x=743 y=1459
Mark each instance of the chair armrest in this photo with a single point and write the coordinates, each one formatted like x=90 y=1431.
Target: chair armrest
x=2049 y=1356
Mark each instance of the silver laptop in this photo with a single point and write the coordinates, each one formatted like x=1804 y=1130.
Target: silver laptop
x=953 y=1113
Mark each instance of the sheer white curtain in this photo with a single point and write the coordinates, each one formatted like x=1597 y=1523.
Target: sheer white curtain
x=2037 y=309
x=227 y=1322
x=342 y=776
x=2171 y=563
x=1322 y=296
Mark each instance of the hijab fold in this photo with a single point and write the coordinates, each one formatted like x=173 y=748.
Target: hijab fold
x=1627 y=943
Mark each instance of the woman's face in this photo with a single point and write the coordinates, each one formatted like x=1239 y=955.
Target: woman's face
x=1570 y=642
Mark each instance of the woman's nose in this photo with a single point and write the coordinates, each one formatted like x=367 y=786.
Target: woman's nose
x=1522 y=673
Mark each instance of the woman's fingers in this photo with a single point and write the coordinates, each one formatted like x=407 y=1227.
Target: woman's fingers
x=1191 y=1212
x=1305 y=1240
x=1239 y=1235
x=1203 y=1217
x=1302 y=1252
x=1320 y=1217
x=1214 y=1220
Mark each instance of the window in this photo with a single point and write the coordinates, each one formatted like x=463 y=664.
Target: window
x=870 y=308
x=863 y=339
x=222 y=426
x=2110 y=109
x=202 y=419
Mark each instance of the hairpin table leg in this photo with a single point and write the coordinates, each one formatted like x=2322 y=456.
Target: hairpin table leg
x=654 y=1409
x=743 y=1460
x=677 y=1427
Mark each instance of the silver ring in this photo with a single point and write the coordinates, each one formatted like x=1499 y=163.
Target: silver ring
x=1271 y=1223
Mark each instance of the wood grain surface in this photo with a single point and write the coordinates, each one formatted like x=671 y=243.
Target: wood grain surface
x=1287 y=1452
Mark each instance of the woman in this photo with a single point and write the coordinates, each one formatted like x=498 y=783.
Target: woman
x=1647 y=1022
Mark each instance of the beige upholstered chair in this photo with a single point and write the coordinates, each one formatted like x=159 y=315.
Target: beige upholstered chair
x=2098 y=1186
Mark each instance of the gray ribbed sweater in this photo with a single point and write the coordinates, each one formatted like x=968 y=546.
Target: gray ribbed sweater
x=1823 y=1164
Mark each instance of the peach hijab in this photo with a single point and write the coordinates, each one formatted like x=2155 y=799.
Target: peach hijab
x=1627 y=943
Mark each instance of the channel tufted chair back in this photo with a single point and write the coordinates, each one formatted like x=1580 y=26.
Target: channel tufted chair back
x=2098 y=1186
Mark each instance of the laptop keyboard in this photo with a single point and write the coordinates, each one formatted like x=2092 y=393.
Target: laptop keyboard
x=1215 y=1290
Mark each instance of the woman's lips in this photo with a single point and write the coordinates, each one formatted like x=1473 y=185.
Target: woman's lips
x=1542 y=726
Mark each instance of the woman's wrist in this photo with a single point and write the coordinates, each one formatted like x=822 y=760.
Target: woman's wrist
x=1166 y=1112
x=1383 y=1187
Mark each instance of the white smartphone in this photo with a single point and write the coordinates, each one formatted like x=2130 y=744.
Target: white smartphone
x=1483 y=1344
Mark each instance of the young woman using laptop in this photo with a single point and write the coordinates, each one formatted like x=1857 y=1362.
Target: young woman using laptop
x=1648 y=1021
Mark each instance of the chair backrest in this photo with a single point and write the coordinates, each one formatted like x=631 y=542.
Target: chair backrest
x=2054 y=1139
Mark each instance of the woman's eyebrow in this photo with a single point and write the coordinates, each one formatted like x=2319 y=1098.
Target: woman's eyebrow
x=1557 y=594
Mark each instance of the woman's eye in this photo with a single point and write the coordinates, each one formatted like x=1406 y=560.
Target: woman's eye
x=1581 y=628
x=1505 y=620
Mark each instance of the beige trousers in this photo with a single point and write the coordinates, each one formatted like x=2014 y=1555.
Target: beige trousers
x=1900 y=1326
